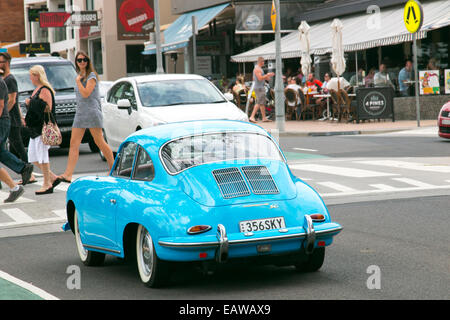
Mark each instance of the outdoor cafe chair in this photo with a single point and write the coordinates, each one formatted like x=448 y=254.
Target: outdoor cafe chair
x=306 y=108
x=291 y=103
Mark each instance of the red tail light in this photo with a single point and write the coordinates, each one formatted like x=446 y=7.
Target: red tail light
x=317 y=217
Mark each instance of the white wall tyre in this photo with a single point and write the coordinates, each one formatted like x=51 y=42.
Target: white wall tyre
x=154 y=273
x=89 y=258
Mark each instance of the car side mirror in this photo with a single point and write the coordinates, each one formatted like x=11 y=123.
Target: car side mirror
x=123 y=104
x=229 y=96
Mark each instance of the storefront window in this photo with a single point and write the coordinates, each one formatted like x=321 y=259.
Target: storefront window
x=138 y=63
x=96 y=54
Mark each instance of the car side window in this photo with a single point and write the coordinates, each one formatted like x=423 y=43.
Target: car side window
x=116 y=93
x=128 y=93
x=144 y=169
x=124 y=165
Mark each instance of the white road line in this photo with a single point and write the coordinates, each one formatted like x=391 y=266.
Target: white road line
x=18 y=215
x=28 y=286
x=341 y=171
x=413 y=182
x=383 y=190
x=4 y=195
x=303 y=149
x=60 y=213
x=408 y=165
x=336 y=186
x=383 y=187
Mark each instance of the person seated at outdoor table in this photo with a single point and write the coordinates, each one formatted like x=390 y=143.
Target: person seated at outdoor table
x=326 y=78
x=404 y=78
x=333 y=84
x=353 y=82
x=239 y=85
x=294 y=84
x=313 y=83
x=381 y=78
x=368 y=80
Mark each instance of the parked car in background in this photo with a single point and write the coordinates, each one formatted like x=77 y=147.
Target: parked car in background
x=206 y=192
x=61 y=75
x=104 y=86
x=134 y=103
x=444 y=121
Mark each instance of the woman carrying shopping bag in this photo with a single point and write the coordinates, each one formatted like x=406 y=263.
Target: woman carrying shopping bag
x=42 y=101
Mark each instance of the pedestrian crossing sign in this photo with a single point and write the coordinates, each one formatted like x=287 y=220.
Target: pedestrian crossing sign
x=413 y=16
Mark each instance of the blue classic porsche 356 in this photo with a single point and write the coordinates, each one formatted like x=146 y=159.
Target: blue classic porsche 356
x=199 y=191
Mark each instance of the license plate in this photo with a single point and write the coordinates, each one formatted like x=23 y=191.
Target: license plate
x=262 y=224
x=445 y=121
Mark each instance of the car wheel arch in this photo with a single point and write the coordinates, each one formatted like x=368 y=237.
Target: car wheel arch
x=70 y=210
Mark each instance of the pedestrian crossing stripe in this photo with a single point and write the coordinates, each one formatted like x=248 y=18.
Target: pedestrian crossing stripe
x=20 y=218
x=340 y=171
x=407 y=165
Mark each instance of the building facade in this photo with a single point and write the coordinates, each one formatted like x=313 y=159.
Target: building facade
x=115 y=49
x=12 y=27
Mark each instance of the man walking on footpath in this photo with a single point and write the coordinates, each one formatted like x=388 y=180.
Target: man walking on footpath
x=7 y=158
x=17 y=121
x=259 y=80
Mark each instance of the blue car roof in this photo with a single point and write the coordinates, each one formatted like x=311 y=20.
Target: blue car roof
x=158 y=135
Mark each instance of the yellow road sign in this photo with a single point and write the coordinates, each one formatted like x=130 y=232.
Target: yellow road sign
x=413 y=16
x=273 y=16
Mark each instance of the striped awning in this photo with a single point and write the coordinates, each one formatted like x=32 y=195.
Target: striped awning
x=361 y=31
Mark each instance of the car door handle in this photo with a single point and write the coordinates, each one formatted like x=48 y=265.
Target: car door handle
x=113 y=201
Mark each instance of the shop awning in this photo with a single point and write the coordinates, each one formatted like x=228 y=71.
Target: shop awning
x=362 y=31
x=180 y=31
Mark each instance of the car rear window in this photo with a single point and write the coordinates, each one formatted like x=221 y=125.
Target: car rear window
x=181 y=154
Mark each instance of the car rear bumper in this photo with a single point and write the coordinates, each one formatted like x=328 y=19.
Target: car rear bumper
x=223 y=246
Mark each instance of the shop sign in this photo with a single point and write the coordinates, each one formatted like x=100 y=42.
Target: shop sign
x=53 y=19
x=68 y=19
x=413 y=16
x=375 y=103
x=429 y=82
x=84 y=18
x=260 y=16
x=209 y=48
x=135 y=19
x=33 y=14
x=28 y=48
x=447 y=81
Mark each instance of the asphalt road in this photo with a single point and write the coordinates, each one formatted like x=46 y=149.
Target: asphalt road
x=404 y=239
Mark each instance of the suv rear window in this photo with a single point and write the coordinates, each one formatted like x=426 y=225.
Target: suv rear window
x=60 y=75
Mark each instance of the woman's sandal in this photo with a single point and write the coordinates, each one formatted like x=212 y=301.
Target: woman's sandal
x=59 y=180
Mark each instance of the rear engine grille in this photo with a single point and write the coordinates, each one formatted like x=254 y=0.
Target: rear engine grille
x=260 y=180
x=444 y=129
x=231 y=183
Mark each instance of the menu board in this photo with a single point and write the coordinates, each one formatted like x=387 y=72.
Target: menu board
x=429 y=82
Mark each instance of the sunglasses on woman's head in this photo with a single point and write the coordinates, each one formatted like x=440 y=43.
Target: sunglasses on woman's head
x=79 y=60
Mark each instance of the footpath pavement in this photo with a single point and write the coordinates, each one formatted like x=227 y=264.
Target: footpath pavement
x=327 y=127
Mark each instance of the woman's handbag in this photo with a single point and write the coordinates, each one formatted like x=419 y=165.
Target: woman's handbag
x=51 y=135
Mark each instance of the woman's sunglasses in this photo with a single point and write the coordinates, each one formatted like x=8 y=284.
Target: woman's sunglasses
x=79 y=60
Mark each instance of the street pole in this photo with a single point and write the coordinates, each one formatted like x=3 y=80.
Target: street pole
x=159 y=62
x=416 y=81
x=279 y=92
x=194 y=44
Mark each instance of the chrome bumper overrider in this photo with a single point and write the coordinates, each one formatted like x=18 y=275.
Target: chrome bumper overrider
x=223 y=242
